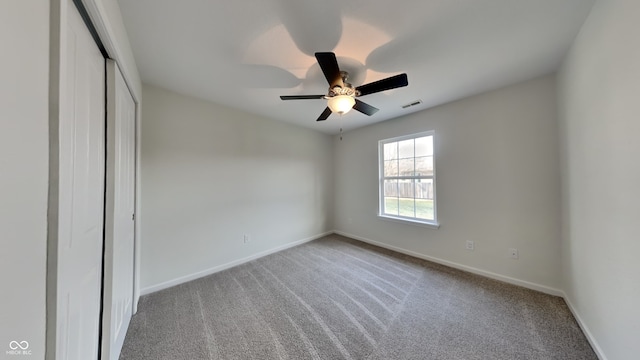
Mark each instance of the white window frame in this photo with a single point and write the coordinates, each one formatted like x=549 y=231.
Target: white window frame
x=381 y=178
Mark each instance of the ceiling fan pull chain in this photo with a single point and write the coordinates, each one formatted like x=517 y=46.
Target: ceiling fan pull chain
x=341 y=134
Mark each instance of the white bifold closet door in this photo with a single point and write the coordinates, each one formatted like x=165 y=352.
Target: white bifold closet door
x=119 y=216
x=80 y=197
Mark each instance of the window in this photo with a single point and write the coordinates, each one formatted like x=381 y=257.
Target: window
x=407 y=178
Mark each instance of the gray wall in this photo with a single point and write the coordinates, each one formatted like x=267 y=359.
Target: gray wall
x=212 y=174
x=599 y=97
x=497 y=179
x=24 y=156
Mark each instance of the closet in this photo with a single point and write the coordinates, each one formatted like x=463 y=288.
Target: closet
x=92 y=198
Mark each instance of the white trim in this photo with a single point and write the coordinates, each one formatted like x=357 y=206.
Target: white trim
x=215 y=269
x=411 y=221
x=407 y=137
x=107 y=33
x=583 y=326
x=138 y=223
x=488 y=274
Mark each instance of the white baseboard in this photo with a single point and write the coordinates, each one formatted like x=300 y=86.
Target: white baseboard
x=489 y=274
x=215 y=269
x=587 y=333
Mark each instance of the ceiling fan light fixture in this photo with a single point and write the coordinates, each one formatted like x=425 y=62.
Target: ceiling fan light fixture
x=341 y=104
x=341 y=95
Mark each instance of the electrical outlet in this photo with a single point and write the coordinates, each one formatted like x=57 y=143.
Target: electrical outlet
x=513 y=253
x=246 y=238
x=470 y=245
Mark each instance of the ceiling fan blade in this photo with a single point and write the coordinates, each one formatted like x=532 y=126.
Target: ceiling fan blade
x=325 y=114
x=301 y=97
x=365 y=108
x=384 y=84
x=329 y=65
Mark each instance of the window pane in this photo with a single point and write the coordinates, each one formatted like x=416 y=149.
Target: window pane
x=406 y=207
x=424 y=209
x=424 y=189
x=405 y=149
x=424 y=199
x=406 y=167
x=391 y=168
x=390 y=197
x=391 y=151
x=405 y=188
x=391 y=206
x=391 y=188
x=424 y=166
x=424 y=146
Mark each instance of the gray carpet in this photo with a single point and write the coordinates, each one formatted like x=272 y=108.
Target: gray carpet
x=337 y=298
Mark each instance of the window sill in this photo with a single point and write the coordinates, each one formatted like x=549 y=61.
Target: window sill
x=430 y=225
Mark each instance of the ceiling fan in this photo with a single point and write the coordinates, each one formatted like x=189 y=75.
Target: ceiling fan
x=342 y=95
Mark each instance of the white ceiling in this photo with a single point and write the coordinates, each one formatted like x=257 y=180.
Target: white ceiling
x=246 y=53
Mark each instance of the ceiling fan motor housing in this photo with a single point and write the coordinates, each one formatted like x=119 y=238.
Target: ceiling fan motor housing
x=346 y=89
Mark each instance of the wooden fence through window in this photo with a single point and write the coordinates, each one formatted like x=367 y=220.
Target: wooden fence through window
x=422 y=190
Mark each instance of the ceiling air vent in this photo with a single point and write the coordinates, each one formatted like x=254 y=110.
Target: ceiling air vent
x=413 y=103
